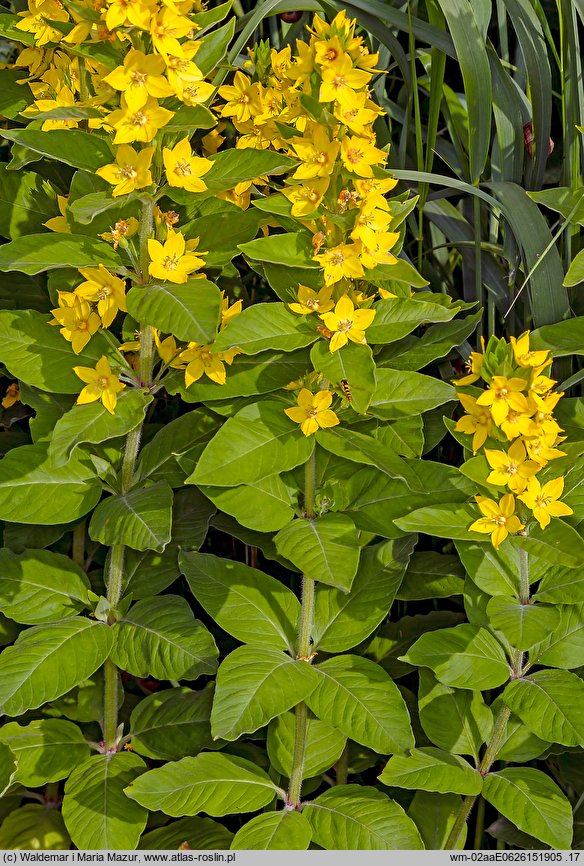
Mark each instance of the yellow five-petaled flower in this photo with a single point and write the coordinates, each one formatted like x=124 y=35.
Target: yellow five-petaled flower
x=346 y=323
x=101 y=384
x=170 y=261
x=543 y=500
x=498 y=520
x=313 y=411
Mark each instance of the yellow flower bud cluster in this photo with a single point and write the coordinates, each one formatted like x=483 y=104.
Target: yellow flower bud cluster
x=512 y=423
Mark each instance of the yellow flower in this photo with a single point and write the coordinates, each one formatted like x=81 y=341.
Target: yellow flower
x=105 y=289
x=499 y=518
x=514 y=424
x=359 y=154
x=541 y=448
x=140 y=77
x=12 y=395
x=478 y=422
x=78 y=321
x=474 y=366
x=374 y=190
x=121 y=231
x=526 y=358
x=313 y=411
x=511 y=468
x=360 y=115
x=229 y=312
x=139 y=124
x=242 y=98
x=503 y=395
x=310 y=301
x=340 y=261
x=64 y=98
x=318 y=154
x=101 y=384
x=130 y=171
x=134 y=12
x=166 y=28
x=59 y=223
x=183 y=169
x=36 y=20
x=340 y=80
x=346 y=323
x=167 y=349
x=306 y=197
x=201 y=360
x=169 y=261
x=370 y=222
x=543 y=500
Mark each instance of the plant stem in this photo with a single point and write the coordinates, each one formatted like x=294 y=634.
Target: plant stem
x=343 y=766
x=524 y=585
x=78 y=548
x=303 y=646
x=480 y=824
x=146 y=228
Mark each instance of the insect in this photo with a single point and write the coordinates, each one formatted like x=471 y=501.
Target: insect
x=344 y=386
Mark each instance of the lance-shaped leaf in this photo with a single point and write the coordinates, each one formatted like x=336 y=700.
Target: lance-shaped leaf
x=7 y=765
x=189 y=311
x=466 y=657
x=342 y=620
x=253 y=686
x=40 y=586
x=324 y=745
x=34 y=254
x=446 y=521
x=170 y=724
x=351 y=364
x=47 y=749
x=358 y=697
x=34 y=827
x=434 y=816
x=413 y=353
x=360 y=818
x=214 y=783
x=397 y=317
x=91 y=422
x=245 y=602
x=457 y=720
x=96 y=812
x=249 y=446
x=49 y=660
x=141 y=518
x=28 y=201
x=266 y=505
x=559 y=543
x=430 y=769
x=325 y=549
x=202 y=834
x=71 y=146
x=563 y=647
x=231 y=168
x=534 y=803
x=292 y=250
x=551 y=704
x=266 y=326
x=177 y=445
x=523 y=625
x=160 y=637
x=40 y=356
x=274 y=831
x=400 y=392
x=432 y=575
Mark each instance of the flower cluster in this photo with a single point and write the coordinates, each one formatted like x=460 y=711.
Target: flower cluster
x=512 y=424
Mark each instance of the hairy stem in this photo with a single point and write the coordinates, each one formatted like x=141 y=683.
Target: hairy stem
x=524 y=585
x=303 y=646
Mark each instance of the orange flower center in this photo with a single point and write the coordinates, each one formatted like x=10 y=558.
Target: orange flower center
x=183 y=167
x=170 y=263
x=345 y=325
x=128 y=172
x=103 y=381
x=139 y=119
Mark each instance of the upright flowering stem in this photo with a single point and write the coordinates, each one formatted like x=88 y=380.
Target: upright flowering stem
x=303 y=645
x=115 y=573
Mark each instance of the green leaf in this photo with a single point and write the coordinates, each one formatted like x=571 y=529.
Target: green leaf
x=87 y=207
x=533 y=803
x=360 y=818
x=14 y=97
x=563 y=338
x=160 y=637
x=141 y=518
x=28 y=201
x=563 y=647
x=211 y=782
x=518 y=743
x=465 y=657
x=575 y=273
x=496 y=572
x=413 y=353
x=48 y=661
x=40 y=586
x=558 y=543
x=214 y=47
x=47 y=750
x=352 y=364
x=201 y=834
x=97 y=814
x=91 y=422
x=400 y=392
x=176 y=445
x=249 y=446
x=394 y=638
x=342 y=620
x=445 y=521
x=266 y=326
x=356 y=696
x=522 y=624
x=274 y=831
x=74 y=147
x=245 y=602
x=221 y=226
x=36 y=253
x=7 y=763
x=254 y=685
x=457 y=720
x=189 y=311
x=324 y=745
x=430 y=769
x=265 y=506
x=431 y=575
x=231 y=167
x=397 y=317
x=147 y=573
x=550 y=703
x=293 y=250
x=325 y=549
x=188 y=118
x=434 y=816
x=34 y=827
x=38 y=354
x=170 y=724
x=191 y=515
